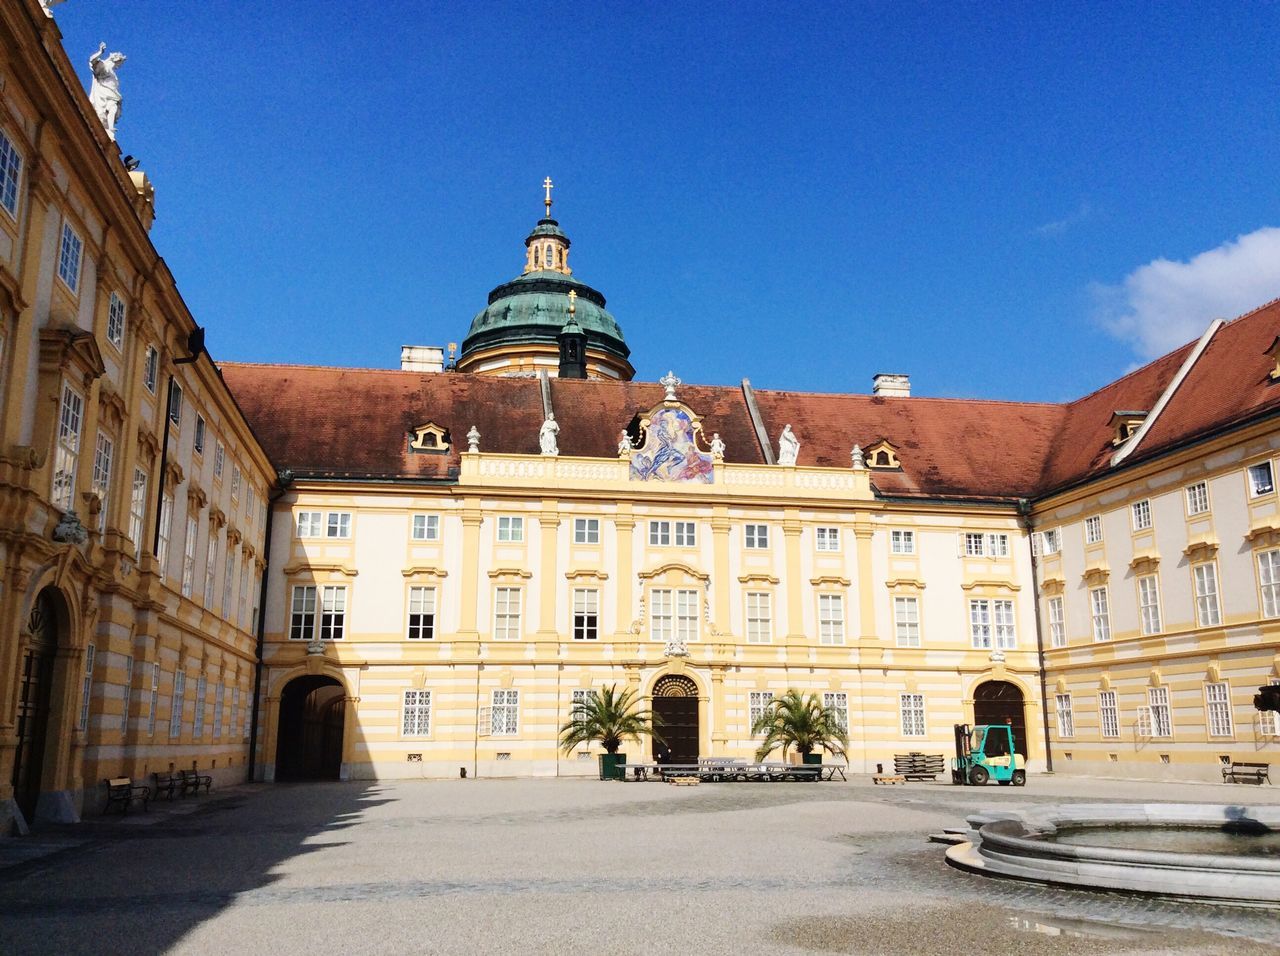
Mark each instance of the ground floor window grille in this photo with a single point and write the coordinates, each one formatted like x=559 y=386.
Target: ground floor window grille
x=201 y=688
x=417 y=713
x=757 y=704
x=219 y=700
x=1066 y=721
x=1161 y=718
x=912 y=709
x=155 y=698
x=175 y=712
x=422 y=614
x=1108 y=714
x=504 y=715
x=838 y=703
x=1217 y=699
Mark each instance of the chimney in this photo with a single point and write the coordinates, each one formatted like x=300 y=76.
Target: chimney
x=891 y=385
x=421 y=358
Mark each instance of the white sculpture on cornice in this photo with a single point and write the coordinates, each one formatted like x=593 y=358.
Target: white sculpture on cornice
x=858 y=461
x=473 y=439
x=675 y=648
x=547 y=435
x=625 y=448
x=717 y=447
x=48 y=6
x=670 y=383
x=788 y=447
x=104 y=95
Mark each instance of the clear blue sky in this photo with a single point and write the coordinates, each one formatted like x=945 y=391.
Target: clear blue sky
x=801 y=194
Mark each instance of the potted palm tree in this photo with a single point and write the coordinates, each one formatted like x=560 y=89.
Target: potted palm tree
x=609 y=716
x=803 y=723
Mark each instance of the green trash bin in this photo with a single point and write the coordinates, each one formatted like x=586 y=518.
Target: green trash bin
x=613 y=766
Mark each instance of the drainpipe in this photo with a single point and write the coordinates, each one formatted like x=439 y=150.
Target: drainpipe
x=283 y=481
x=1024 y=519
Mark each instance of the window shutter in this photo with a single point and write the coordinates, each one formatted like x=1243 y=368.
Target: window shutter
x=484 y=725
x=1144 y=721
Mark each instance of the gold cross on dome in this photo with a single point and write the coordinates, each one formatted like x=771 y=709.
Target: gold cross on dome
x=573 y=298
x=549 y=185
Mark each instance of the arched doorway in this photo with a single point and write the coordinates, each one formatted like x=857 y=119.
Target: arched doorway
x=309 y=742
x=1000 y=702
x=35 y=682
x=675 y=705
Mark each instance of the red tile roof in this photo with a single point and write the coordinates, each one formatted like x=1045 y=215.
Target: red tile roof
x=357 y=422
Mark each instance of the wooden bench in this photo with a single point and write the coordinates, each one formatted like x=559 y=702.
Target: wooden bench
x=829 y=771
x=918 y=766
x=123 y=791
x=193 y=780
x=1241 y=771
x=166 y=784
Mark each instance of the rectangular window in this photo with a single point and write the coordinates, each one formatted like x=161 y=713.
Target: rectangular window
x=506 y=614
x=1066 y=722
x=510 y=528
x=154 y=701
x=757 y=704
x=166 y=528
x=586 y=531
x=1108 y=714
x=1260 y=480
x=504 y=715
x=228 y=583
x=911 y=707
x=659 y=534
x=1269 y=581
x=1198 y=498
x=1101 y=613
x=219 y=700
x=138 y=509
x=189 y=558
x=1149 y=603
x=1269 y=720
x=309 y=524
x=426 y=528
x=1206 y=578
x=1093 y=529
x=831 y=618
x=86 y=687
x=1050 y=541
x=1057 y=623
x=1217 y=701
x=837 y=702
x=127 y=696
x=991 y=623
x=67 y=452
x=175 y=405
x=422 y=614
x=906 y=621
x=175 y=711
x=756 y=536
x=302 y=617
x=235 y=711
x=115 y=321
x=974 y=544
x=675 y=614
x=1161 y=718
x=997 y=545
x=902 y=542
x=1141 y=514
x=415 y=720
x=202 y=688
x=243 y=618
x=150 y=369
x=333 y=612
x=219 y=457
x=10 y=175
x=339 y=524
x=586 y=614
x=102 y=455
x=210 y=567
x=235 y=485
x=828 y=539
x=69 y=257
x=197 y=444
x=759 y=617
x=686 y=534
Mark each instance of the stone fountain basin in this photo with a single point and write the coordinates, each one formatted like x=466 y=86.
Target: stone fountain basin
x=1018 y=845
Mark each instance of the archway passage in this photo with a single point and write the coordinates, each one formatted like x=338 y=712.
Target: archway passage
x=675 y=705
x=309 y=742
x=35 y=681
x=999 y=702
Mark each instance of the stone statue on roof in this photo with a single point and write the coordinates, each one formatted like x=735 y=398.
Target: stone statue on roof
x=788 y=447
x=473 y=439
x=625 y=448
x=856 y=458
x=669 y=383
x=547 y=435
x=717 y=447
x=104 y=95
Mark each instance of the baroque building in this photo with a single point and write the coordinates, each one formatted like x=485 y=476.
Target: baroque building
x=291 y=571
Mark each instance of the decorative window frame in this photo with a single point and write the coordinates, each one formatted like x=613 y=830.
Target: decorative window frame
x=430 y=438
x=883 y=456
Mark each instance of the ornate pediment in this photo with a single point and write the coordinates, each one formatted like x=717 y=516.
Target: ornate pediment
x=669 y=448
x=71 y=351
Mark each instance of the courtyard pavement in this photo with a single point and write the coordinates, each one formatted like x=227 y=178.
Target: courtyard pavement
x=574 y=866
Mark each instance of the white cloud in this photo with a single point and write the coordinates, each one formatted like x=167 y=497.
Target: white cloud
x=1162 y=305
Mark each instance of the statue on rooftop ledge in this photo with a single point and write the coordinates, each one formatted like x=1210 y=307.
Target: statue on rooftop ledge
x=717 y=447
x=625 y=448
x=788 y=447
x=104 y=95
x=473 y=440
x=547 y=435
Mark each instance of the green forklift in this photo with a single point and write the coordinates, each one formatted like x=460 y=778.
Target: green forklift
x=985 y=752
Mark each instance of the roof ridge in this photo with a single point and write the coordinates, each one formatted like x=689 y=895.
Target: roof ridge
x=1128 y=375
x=914 y=398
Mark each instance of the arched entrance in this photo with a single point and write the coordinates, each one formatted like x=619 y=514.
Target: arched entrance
x=35 y=681
x=675 y=705
x=1000 y=702
x=309 y=742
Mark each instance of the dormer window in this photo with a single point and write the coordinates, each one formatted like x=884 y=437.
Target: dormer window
x=883 y=455
x=429 y=437
x=1273 y=352
x=1125 y=424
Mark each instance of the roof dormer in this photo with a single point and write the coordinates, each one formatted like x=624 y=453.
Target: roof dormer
x=1124 y=424
x=1273 y=352
x=883 y=456
x=429 y=437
